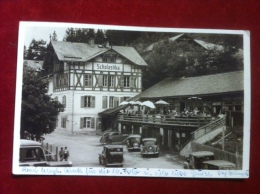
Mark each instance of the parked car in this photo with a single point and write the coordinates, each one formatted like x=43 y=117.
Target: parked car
x=133 y=142
x=218 y=165
x=196 y=159
x=112 y=155
x=107 y=134
x=149 y=147
x=32 y=154
x=114 y=137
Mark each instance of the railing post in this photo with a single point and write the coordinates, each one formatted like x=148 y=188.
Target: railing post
x=47 y=146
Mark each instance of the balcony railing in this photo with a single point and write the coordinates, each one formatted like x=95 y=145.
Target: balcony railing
x=166 y=120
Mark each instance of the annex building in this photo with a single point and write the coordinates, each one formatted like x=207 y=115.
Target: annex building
x=89 y=78
x=209 y=95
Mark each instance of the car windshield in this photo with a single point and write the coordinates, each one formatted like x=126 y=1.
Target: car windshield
x=115 y=149
x=135 y=139
x=31 y=154
x=150 y=142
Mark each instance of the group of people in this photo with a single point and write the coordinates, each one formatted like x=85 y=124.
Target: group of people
x=64 y=154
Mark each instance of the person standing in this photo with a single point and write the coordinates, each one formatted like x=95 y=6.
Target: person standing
x=61 y=154
x=66 y=154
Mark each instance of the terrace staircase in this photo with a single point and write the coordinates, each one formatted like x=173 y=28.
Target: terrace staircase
x=204 y=133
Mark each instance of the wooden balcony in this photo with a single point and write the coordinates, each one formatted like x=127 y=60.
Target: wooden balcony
x=165 y=121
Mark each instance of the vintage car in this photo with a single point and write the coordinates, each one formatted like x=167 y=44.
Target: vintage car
x=196 y=159
x=149 y=147
x=112 y=155
x=133 y=142
x=218 y=165
x=32 y=154
x=113 y=137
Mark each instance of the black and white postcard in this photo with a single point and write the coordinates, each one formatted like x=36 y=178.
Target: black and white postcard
x=101 y=100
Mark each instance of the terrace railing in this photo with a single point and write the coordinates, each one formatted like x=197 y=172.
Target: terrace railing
x=165 y=120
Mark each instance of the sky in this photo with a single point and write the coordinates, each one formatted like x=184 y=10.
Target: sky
x=39 y=33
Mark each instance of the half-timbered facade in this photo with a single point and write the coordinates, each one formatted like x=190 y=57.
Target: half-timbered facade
x=89 y=78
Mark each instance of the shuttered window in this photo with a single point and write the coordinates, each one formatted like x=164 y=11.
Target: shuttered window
x=63 y=122
x=87 y=122
x=87 y=102
x=105 y=80
x=111 y=101
x=88 y=80
x=111 y=81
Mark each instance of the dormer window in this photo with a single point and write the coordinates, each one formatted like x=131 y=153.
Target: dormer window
x=110 y=58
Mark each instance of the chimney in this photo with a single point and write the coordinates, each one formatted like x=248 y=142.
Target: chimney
x=91 y=42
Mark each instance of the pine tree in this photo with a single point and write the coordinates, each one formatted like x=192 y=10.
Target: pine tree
x=36 y=50
x=54 y=36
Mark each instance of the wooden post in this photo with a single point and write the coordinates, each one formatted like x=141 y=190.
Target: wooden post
x=57 y=151
x=223 y=138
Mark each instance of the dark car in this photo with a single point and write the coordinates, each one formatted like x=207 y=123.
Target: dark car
x=32 y=154
x=106 y=135
x=133 y=142
x=196 y=159
x=218 y=165
x=149 y=147
x=112 y=155
x=114 y=137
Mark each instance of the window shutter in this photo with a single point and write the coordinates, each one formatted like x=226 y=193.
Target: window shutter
x=100 y=80
x=104 y=103
x=82 y=101
x=90 y=80
x=116 y=101
x=92 y=125
x=81 y=122
x=122 y=81
x=121 y=99
x=132 y=81
x=92 y=102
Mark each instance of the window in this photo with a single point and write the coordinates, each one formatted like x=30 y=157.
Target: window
x=111 y=80
x=105 y=80
x=104 y=102
x=64 y=101
x=111 y=101
x=87 y=122
x=63 y=122
x=108 y=80
x=88 y=80
x=126 y=81
x=87 y=101
x=109 y=58
x=56 y=98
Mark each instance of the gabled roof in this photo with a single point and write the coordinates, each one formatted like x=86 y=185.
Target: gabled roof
x=205 y=45
x=190 y=86
x=70 y=51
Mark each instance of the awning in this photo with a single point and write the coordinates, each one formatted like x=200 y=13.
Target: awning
x=112 y=111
